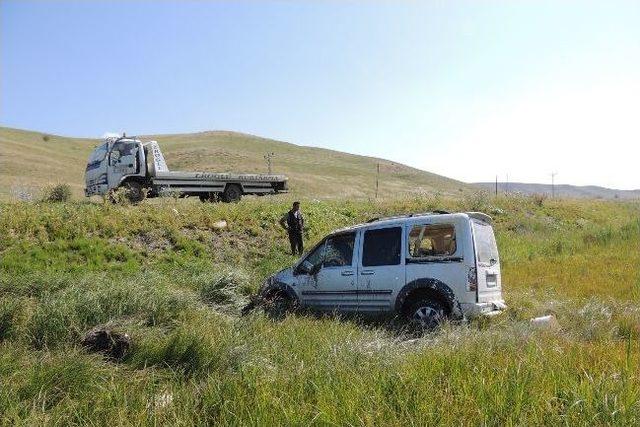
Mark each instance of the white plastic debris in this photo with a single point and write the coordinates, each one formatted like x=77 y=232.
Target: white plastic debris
x=545 y=322
x=219 y=225
x=163 y=400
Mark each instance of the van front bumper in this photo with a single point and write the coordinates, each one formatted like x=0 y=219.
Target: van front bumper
x=492 y=308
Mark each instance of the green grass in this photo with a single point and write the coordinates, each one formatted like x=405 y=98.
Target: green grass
x=29 y=163
x=164 y=274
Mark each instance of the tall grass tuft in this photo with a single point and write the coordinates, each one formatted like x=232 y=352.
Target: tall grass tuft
x=228 y=287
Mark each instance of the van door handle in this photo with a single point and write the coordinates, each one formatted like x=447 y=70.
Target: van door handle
x=347 y=273
x=367 y=272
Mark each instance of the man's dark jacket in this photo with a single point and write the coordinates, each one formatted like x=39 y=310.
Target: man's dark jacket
x=295 y=224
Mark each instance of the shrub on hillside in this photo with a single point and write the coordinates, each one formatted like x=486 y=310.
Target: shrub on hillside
x=57 y=193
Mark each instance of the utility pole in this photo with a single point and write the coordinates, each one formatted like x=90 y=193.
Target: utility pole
x=268 y=158
x=496 y=186
x=377 y=179
x=553 y=187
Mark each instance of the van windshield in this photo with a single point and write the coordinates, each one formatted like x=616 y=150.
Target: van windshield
x=486 y=247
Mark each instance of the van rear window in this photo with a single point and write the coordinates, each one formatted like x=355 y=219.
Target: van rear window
x=486 y=247
x=432 y=240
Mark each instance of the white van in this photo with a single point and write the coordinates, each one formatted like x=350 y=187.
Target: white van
x=424 y=267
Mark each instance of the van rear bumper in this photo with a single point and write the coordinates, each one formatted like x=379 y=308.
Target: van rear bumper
x=483 y=308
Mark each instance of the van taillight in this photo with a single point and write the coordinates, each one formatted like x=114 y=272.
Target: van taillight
x=472 y=280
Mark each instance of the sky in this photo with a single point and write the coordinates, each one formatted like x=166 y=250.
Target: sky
x=467 y=89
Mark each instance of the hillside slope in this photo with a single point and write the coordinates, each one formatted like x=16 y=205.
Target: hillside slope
x=29 y=161
x=562 y=190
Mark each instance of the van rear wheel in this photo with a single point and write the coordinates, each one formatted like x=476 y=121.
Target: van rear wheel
x=426 y=314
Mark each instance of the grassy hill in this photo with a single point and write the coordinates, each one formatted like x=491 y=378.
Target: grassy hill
x=167 y=276
x=30 y=160
x=561 y=190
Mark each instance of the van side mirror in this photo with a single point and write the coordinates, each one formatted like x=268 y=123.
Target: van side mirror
x=307 y=268
x=315 y=269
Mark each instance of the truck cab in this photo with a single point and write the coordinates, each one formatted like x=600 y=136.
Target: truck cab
x=112 y=162
x=423 y=267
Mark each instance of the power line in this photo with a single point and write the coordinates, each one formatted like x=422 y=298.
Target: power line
x=377 y=179
x=268 y=158
x=553 y=186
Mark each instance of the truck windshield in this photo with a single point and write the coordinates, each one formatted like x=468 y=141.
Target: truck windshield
x=486 y=247
x=98 y=154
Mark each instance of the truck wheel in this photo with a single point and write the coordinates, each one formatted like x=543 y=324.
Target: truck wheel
x=134 y=192
x=233 y=193
x=208 y=197
x=426 y=314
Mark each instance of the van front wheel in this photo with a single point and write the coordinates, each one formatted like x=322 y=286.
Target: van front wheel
x=426 y=313
x=278 y=305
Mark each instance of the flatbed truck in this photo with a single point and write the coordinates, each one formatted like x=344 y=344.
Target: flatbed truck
x=140 y=168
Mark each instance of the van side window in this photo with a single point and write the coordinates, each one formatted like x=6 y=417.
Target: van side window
x=432 y=240
x=382 y=247
x=338 y=250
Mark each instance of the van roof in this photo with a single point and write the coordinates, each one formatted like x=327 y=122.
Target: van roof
x=399 y=219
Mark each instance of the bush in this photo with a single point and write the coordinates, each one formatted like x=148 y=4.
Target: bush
x=57 y=193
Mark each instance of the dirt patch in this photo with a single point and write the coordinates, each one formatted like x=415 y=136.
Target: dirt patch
x=113 y=345
x=147 y=241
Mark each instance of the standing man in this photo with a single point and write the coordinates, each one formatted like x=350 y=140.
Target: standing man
x=293 y=222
